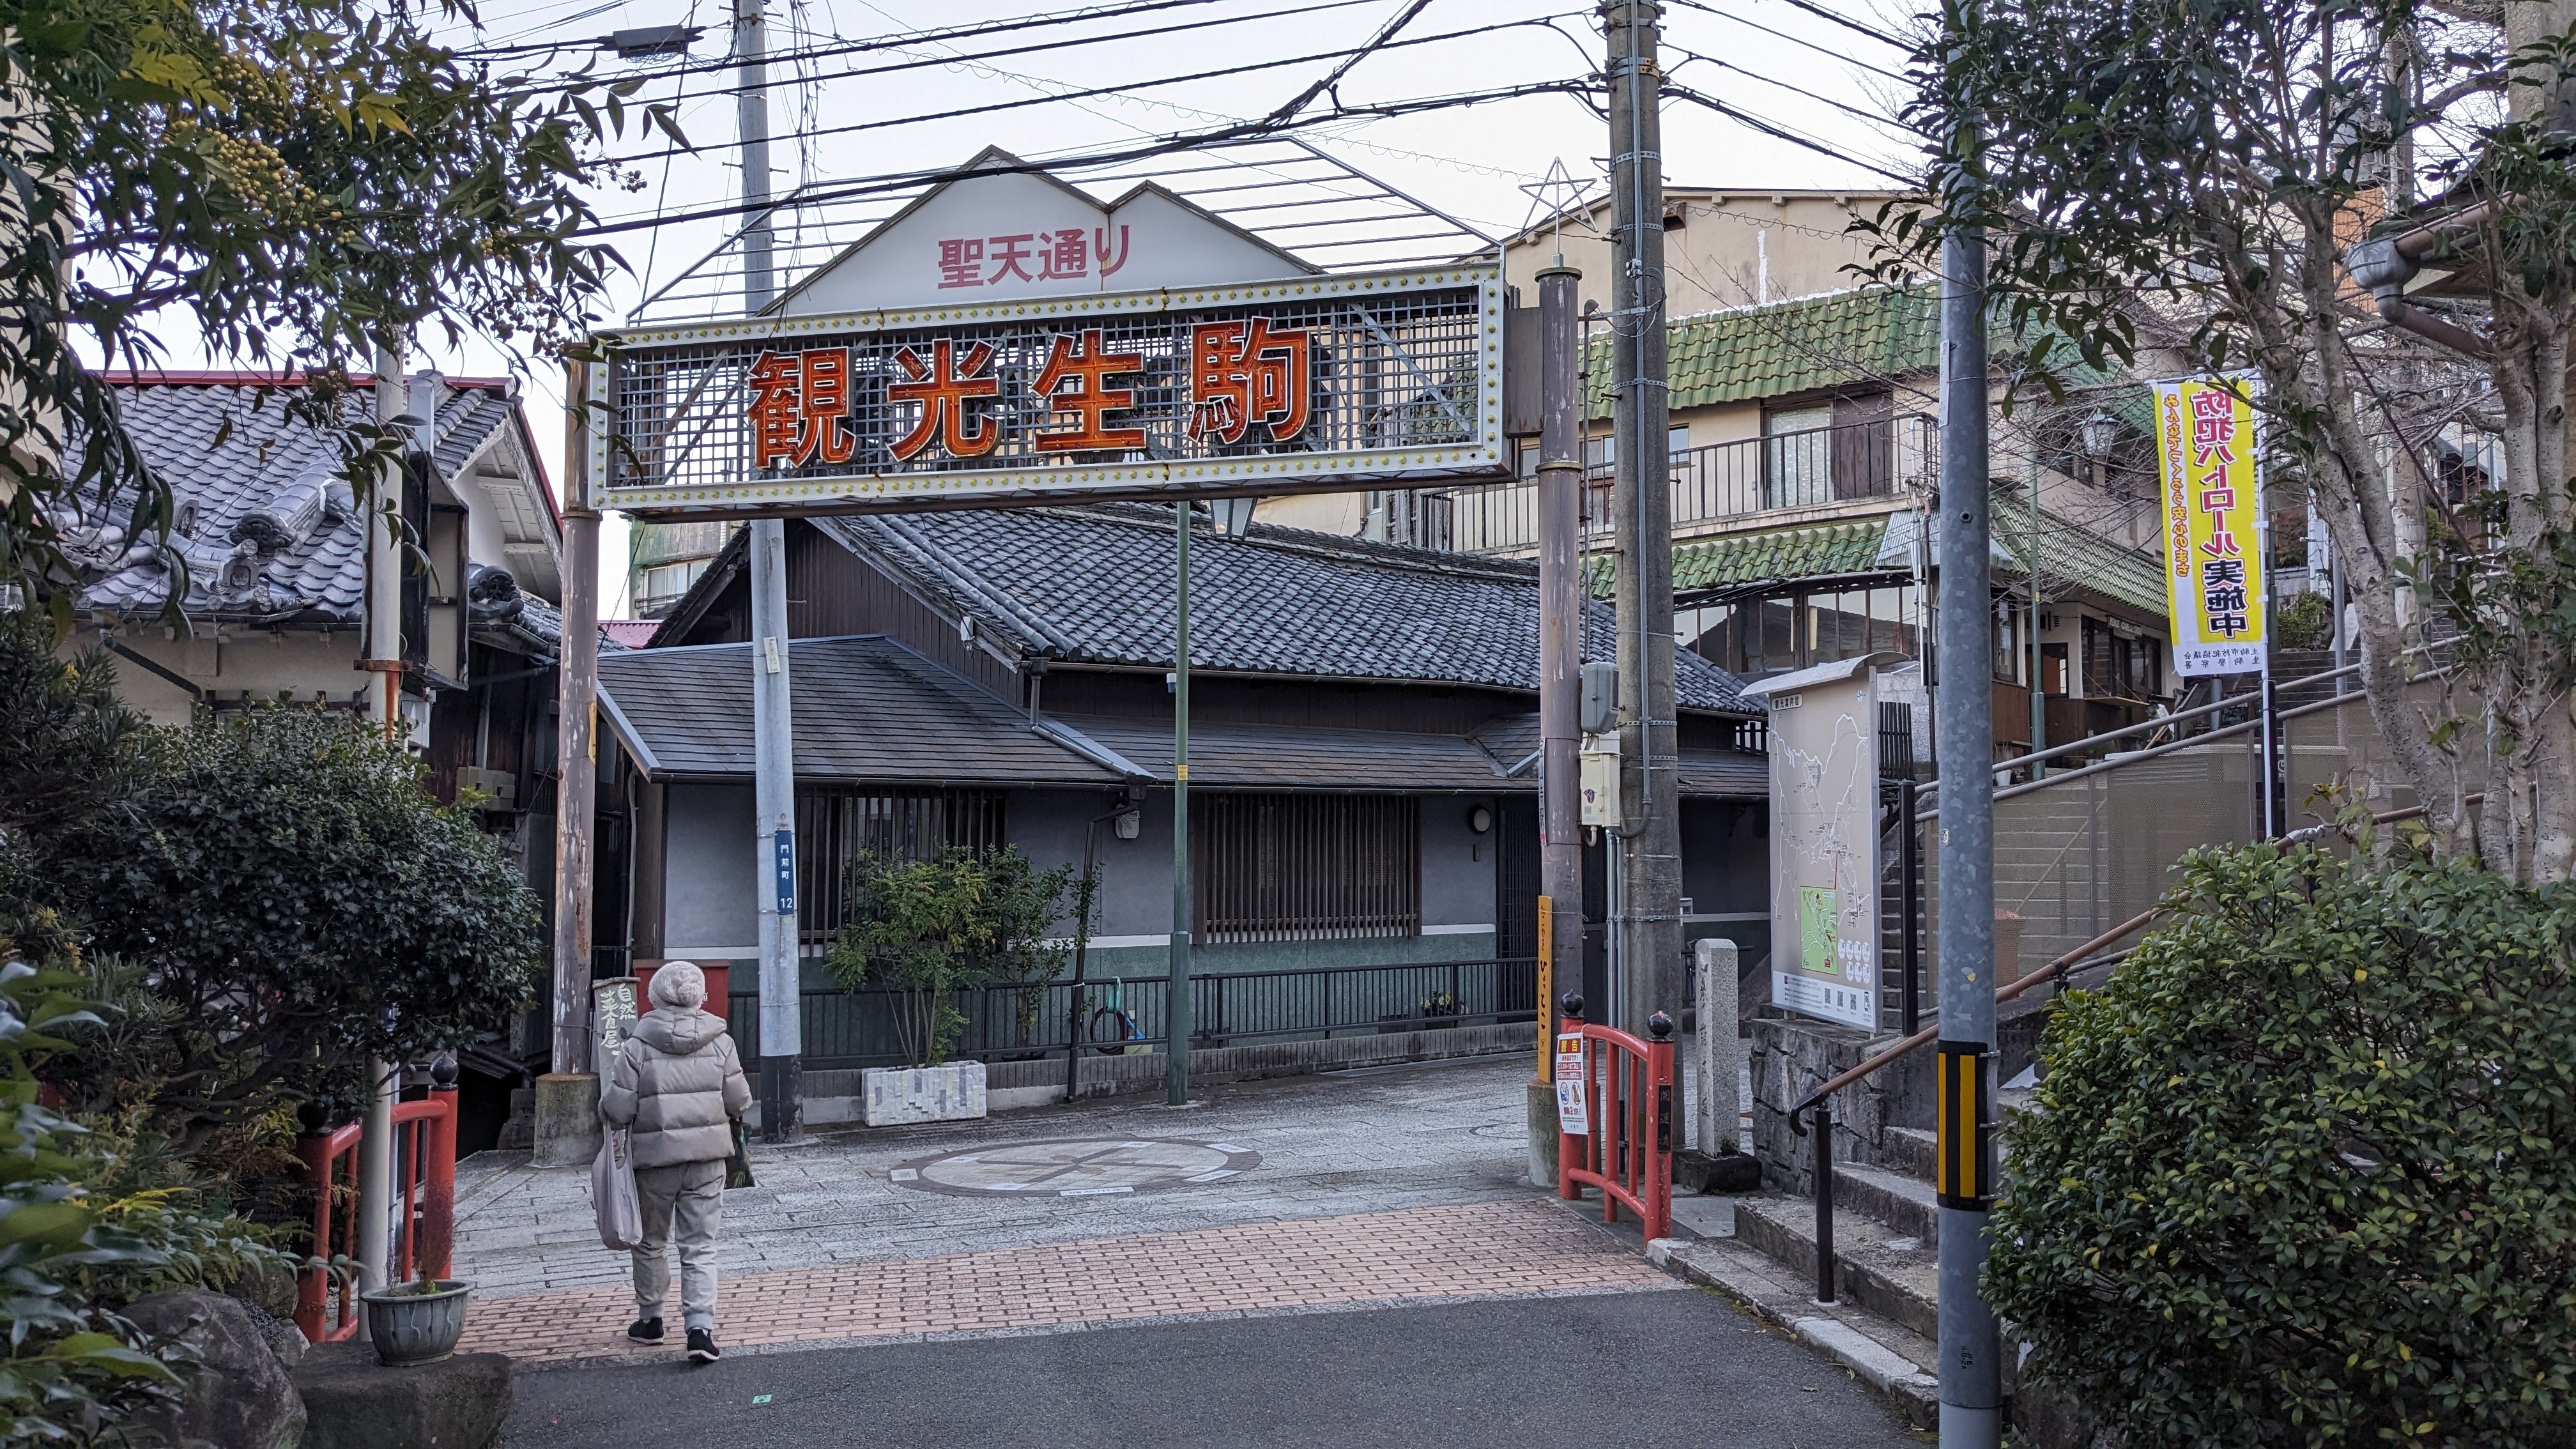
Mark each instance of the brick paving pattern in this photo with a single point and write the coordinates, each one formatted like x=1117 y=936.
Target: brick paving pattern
x=1522 y=1249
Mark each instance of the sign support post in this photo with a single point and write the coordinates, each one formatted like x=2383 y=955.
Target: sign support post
x=1176 y=1005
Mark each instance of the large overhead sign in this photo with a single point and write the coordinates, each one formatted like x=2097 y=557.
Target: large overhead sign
x=1303 y=384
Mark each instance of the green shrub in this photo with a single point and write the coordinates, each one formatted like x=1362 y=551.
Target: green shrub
x=928 y=928
x=2305 y=622
x=2304 y=1171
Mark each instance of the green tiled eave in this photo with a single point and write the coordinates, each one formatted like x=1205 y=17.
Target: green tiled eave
x=1836 y=339
x=2072 y=556
x=1779 y=555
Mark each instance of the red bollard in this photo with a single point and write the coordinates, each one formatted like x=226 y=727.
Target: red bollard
x=437 y=1246
x=312 y=1286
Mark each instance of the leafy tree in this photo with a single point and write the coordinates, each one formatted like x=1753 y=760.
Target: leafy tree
x=2177 y=184
x=296 y=905
x=2304 y=1171
x=304 y=181
x=67 y=745
x=1021 y=906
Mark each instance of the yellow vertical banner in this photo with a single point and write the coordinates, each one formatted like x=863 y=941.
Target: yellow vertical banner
x=2210 y=489
x=1546 y=980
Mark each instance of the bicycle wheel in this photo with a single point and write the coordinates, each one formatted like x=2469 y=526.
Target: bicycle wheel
x=1110 y=1030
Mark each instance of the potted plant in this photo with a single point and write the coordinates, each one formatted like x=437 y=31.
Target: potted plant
x=417 y=1322
x=915 y=928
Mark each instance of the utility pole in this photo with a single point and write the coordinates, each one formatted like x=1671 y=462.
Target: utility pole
x=1650 y=884
x=383 y=663
x=1176 y=999
x=1560 y=668
x=774 y=746
x=1971 y=1346
x=567 y=1099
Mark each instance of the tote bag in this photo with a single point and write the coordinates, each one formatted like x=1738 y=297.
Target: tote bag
x=612 y=1191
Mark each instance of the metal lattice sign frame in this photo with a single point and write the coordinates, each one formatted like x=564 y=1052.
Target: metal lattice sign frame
x=1310 y=384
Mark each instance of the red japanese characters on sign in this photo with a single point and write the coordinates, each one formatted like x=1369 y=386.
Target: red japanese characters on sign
x=800 y=407
x=1242 y=372
x=1031 y=256
x=1076 y=383
x=943 y=386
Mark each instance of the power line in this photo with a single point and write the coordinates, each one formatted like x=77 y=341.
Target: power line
x=926 y=37
x=1333 y=78
x=976 y=57
x=1847 y=109
x=1809 y=44
x=1121 y=88
x=1819 y=11
x=1780 y=132
x=1162 y=146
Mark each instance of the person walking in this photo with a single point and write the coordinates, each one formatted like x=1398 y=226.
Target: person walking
x=678 y=1084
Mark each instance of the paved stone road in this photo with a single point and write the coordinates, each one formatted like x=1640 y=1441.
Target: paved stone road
x=1634 y=1369
x=1350 y=1142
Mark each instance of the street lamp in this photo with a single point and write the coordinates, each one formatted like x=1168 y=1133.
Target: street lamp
x=2100 y=431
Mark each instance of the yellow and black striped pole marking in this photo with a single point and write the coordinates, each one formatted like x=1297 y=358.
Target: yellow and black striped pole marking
x=1963 y=1165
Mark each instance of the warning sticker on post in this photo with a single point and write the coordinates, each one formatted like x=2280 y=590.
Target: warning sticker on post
x=1571 y=1116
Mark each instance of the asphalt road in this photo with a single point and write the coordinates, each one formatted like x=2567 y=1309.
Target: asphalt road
x=1654 y=1368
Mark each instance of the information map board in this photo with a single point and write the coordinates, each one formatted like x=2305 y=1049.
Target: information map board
x=1314 y=383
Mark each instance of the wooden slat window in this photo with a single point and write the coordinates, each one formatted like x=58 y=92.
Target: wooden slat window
x=835 y=827
x=1306 y=867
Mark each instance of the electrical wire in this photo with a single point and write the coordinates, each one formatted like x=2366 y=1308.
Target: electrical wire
x=926 y=37
x=1333 y=78
x=990 y=108
x=1809 y=44
x=1812 y=8
x=1780 y=132
x=1161 y=146
x=970 y=58
x=1848 y=109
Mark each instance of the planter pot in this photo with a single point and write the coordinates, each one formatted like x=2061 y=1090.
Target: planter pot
x=410 y=1328
x=893 y=1096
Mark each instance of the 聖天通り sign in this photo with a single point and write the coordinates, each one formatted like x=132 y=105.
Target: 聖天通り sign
x=1300 y=384
x=2210 y=487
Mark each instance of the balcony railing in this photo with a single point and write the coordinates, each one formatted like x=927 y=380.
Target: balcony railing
x=1879 y=459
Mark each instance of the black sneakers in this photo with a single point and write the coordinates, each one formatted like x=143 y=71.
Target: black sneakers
x=645 y=1330
x=702 y=1346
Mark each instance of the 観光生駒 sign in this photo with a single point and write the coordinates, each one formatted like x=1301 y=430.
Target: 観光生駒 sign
x=1301 y=384
x=2210 y=487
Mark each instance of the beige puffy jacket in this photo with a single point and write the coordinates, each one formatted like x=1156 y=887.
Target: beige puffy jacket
x=677 y=1083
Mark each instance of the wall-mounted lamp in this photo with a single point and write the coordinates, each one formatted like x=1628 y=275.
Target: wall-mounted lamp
x=1480 y=820
x=2101 y=430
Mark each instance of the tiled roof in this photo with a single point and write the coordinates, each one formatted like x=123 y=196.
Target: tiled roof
x=1279 y=757
x=1095 y=585
x=865 y=708
x=1749 y=560
x=270 y=530
x=2073 y=557
x=1836 y=338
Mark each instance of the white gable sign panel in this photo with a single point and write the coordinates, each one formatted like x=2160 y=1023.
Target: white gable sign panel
x=1018 y=235
x=1308 y=383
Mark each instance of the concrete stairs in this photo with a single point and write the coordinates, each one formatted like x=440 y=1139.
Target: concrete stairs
x=1760 y=1249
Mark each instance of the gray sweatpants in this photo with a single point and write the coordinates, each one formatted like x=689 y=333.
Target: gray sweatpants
x=683 y=1205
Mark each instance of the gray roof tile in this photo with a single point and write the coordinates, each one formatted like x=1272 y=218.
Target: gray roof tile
x=271 y=481
x=1095 y=585
x=865 y=709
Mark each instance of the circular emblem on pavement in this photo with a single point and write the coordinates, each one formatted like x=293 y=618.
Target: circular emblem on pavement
x=1077 y=1167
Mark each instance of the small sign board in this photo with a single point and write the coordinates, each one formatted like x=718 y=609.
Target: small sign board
x=1572 y=1118
x=613 y=1009
x=783 y=871
x=1824 y=841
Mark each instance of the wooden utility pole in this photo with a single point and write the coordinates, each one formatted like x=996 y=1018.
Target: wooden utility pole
x=1649 y=928
x=1560 y=667
x=567 y=1101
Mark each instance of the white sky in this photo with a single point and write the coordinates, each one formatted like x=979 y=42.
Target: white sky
x=1470 y=162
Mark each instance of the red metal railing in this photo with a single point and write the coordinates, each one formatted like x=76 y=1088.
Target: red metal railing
x=424 y=1197
x=1627 y=1149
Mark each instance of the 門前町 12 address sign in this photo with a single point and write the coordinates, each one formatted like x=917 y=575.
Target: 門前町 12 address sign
x=1309 y=384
